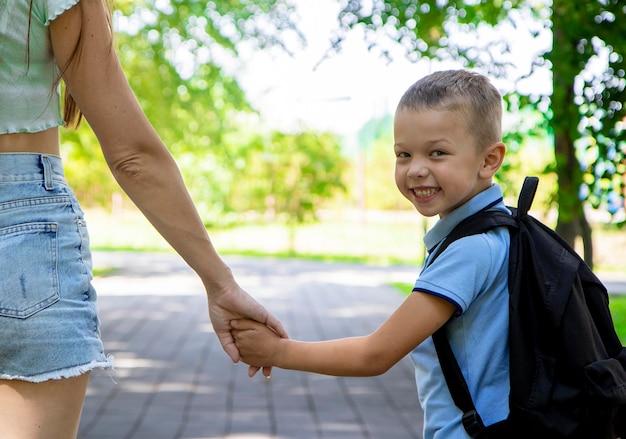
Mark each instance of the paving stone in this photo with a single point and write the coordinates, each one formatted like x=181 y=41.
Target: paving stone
x=173 y=381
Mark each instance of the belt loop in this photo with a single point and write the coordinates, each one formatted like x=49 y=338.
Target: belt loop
x=47 y=172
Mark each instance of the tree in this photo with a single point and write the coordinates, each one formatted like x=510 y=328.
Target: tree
x=289 y=176
x=376 y=186
x=176 y=55
x=585 y=110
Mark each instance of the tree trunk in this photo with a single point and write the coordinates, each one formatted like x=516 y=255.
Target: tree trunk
x=566 y=64
x=578 y=228
x=572 y=222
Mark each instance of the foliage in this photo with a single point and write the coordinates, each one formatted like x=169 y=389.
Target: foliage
x=274 y=177
x=289 y=176
x=85 y=167
x=176 y=55
x=584 y=111
x=617 y=305
x=525 y=156
x=377 y=189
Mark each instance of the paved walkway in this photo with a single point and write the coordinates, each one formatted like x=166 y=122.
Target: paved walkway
x=173 y=381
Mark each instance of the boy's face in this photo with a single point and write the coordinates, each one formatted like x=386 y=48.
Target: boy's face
x=438 y=165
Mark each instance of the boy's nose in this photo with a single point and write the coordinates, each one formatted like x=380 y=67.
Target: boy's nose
x=418 y=169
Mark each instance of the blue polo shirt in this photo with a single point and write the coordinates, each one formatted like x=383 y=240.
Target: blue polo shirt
x=472 y=274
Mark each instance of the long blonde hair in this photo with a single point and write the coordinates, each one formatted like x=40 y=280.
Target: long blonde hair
x=71 y=113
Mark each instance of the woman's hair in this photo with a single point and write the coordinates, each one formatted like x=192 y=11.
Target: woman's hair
x=71 y=113
x=467 y=93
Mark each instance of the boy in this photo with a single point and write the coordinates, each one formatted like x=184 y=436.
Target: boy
x=447 y=131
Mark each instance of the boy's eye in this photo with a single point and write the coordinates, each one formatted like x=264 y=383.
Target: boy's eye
x=402 y=155
x=437 y=153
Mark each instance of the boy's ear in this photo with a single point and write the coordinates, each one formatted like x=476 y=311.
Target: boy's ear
x=493 y=158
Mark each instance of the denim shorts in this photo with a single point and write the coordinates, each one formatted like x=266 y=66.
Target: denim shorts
x=49 y=327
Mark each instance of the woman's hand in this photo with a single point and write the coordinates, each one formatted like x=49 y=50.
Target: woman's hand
x=258 y=344
x=232 y=304
x=141 y=163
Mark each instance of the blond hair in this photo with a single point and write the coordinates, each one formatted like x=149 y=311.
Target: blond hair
x=467 y=93
x=71 y=113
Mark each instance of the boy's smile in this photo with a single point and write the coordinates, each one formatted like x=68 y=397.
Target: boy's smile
x=439 y=166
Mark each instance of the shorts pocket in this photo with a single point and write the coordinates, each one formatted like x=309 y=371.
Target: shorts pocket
x=29 y=280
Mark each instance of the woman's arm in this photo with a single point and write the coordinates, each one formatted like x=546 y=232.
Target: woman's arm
x=140 y=161
x=419 y=316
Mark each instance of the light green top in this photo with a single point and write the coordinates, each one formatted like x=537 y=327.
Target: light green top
x=29 y=101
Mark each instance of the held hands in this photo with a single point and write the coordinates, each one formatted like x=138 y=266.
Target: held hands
x=234 y=303
x=258 y=344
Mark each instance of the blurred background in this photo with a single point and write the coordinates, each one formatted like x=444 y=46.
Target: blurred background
x=279 y=114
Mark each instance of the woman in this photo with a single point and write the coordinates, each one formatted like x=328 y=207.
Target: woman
x=49 y=336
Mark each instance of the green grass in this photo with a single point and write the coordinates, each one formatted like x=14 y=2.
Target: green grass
x=394 y=240
x=103 y=271
x=324 y=257
x=404 y=288
x=390 y=238
x=617 y=306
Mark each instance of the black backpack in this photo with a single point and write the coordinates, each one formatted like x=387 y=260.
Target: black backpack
x=567 y=364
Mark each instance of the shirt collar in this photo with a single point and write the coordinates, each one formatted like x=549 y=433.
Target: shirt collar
x=490 y=196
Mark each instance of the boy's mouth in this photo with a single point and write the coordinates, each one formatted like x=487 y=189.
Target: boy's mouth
x=425 y=192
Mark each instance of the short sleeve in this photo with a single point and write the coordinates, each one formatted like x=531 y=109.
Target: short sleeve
x=54 y=8
x=462 y=272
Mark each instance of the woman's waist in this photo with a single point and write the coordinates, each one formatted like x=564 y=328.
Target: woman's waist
x=43 y=142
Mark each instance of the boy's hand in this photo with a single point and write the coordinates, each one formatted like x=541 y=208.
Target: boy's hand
x=232 y=302
x=257 y=344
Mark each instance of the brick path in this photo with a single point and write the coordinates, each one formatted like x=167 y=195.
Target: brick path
x=173 y=381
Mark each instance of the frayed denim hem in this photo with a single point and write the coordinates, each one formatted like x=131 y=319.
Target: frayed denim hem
x=70 y=372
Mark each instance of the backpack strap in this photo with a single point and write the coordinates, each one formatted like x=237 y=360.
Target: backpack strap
x=485 y=219
x=472 y=422
x=526 y=196
x=480 y=222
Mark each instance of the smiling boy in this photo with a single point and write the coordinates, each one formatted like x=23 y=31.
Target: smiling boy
x=447 y=131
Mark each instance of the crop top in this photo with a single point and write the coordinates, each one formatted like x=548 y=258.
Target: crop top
x=29 y=101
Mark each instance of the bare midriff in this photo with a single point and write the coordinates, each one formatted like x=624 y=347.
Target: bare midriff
x=44 y=142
